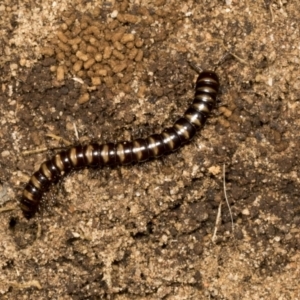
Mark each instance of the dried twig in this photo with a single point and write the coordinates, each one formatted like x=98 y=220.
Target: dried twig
x=34 y=151
x=59 y=138
x=218 y=221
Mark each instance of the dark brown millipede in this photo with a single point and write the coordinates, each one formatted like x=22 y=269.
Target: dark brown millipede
x=121 y=153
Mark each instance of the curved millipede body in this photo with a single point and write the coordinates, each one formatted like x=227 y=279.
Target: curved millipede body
x=138 y=150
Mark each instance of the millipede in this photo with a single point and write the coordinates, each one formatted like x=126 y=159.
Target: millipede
x=122 y=153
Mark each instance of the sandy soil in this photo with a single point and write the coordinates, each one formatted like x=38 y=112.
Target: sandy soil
x=107 y=71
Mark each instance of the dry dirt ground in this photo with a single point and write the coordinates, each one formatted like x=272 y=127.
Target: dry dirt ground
x=107 y=71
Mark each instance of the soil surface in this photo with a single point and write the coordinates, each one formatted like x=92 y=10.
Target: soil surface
x=82 y=71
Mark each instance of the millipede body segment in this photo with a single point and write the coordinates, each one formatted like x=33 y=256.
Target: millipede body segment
x=121 y=153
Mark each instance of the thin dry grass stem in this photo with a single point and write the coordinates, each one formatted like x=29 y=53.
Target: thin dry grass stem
x=44 y=149
x=24 y=285
x=226 y=199
x=76 y=131
x=218 y=218
x=219 y=41
x=271 y=12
